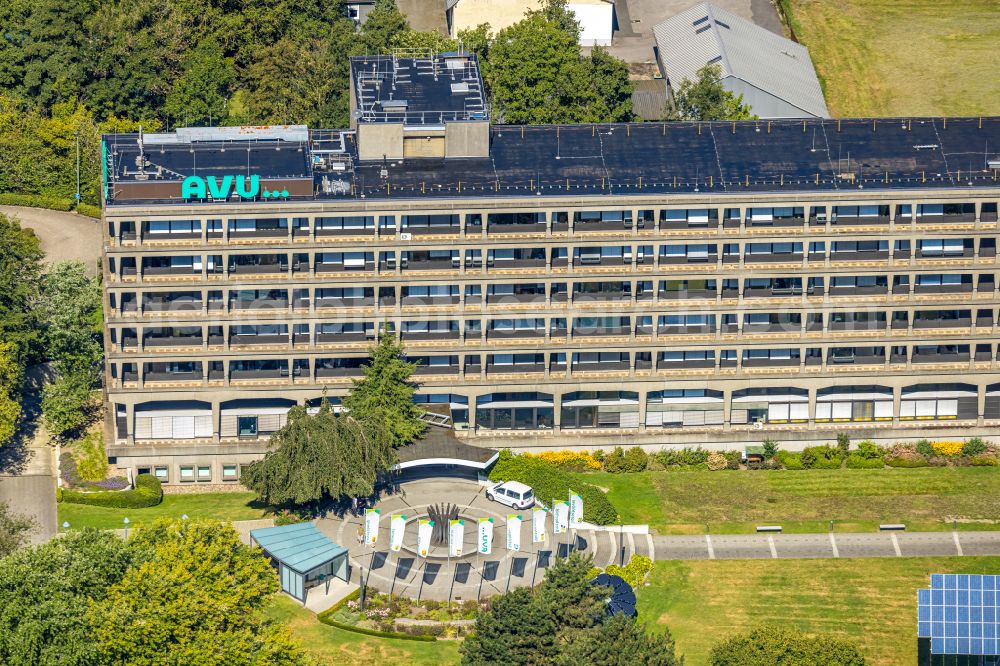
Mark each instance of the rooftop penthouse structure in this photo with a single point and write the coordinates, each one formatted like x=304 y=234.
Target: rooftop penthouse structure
x=560 y=286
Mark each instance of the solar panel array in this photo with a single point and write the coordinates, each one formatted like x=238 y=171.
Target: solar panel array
x=960 y=614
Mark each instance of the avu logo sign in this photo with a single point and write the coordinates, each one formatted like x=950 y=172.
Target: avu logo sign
x=196 y=187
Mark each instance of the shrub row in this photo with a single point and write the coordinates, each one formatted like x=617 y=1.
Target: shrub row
x=548 y=482
x=88 y=210
x=326 y=617
x=634 y=573
x=147 y=493
x=36 y=201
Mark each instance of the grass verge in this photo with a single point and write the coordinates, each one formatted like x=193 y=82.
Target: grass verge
x=329 y=645
x=891 y=58
x=217 y=506
x=926 y=499
x=873 y=601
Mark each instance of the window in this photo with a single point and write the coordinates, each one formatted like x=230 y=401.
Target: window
x=204 y=473
x=142 y=470
x=187 y=473
x=162 y=473
x=247 y=426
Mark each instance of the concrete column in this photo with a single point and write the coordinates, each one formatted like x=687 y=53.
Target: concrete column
x=896 y=400
x=812 y=408
x=981 y=404
x=216 y=420
x=129 y=423
x=472 y=411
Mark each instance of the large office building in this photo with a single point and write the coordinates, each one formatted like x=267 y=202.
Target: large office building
x=561 y=286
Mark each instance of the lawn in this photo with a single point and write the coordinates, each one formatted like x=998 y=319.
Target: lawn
x=893 y=58
x=684 y=502
x=216 y=506
x=329 y=645
x=871 y=601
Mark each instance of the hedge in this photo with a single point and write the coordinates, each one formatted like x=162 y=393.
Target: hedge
x=147 y=493
x=36 y=201
x=88 y=210
x=325 y=618
x=548 y=482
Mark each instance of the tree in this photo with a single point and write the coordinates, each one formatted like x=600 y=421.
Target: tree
x=706 y=99
x=620 y=641
x=319 y=456
x=197 y=598
x=567 y=593
x=20 y=274
x=784 y=646
x=383 y=23
x=14 y=530
x=516 y=630
x=200 y=94
x=383 y=396
x=10 y=386
x=612 y=86
x=44 y=593
x=68 y=403
x=564 y=623
x=71 y=306
x=536 y=74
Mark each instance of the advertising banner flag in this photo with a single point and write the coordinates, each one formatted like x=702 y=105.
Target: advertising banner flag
x=425 y=528
x=538 y=525
x=575 y=510
x=456 y=535
x=372 y=517
x=513 y=532
x=560 y=517
x=397 y=526
x=485 y=539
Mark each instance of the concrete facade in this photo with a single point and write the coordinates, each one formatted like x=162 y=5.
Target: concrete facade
x=693 y=336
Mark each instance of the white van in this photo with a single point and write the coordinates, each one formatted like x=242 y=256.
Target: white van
x=512 y=493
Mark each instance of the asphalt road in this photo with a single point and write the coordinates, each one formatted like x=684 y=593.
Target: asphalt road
x=64 y=236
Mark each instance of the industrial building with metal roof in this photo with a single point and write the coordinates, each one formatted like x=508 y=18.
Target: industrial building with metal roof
x=775 y=75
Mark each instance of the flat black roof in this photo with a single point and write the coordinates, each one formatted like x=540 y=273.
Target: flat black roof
x=635 y=158
x=427 y=89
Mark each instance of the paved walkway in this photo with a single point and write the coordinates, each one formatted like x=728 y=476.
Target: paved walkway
x=474 y=576
x=64 y=236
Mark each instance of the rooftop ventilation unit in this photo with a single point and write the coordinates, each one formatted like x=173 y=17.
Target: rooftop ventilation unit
x=459 y=88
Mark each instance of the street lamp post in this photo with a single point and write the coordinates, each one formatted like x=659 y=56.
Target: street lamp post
x=65 y=524
x=126 y=521
x=77 y=135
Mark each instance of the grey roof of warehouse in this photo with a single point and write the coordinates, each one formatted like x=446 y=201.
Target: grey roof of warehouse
x=706 y=34
x=592 y=160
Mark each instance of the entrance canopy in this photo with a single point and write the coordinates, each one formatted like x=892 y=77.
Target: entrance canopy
x=303 y=553
x=440 y=447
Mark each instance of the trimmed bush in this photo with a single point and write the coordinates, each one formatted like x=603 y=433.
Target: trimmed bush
x=717 y=461
x=614 y=462
x=36 y=201
x=634 y=573
x=733 y=459
x=88 y=210
x=857 y=461
x=974 y=447
x=770 y=448
x=822 y=457
x=571 y=461
x=636 y=460
x=925 y=448
x=147 y=493
x=548 y=482
x=686 y=457
x=790 y=460
x=907 y=462
x=948 y=449
x=983 y=461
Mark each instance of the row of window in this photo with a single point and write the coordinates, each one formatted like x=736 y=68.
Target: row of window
x=690 y=216
x=190 y=473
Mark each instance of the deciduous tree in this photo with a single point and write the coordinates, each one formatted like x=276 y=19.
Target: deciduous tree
x=14 y=530
x=317 y=456
x=705 y=98
x=195 y=599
